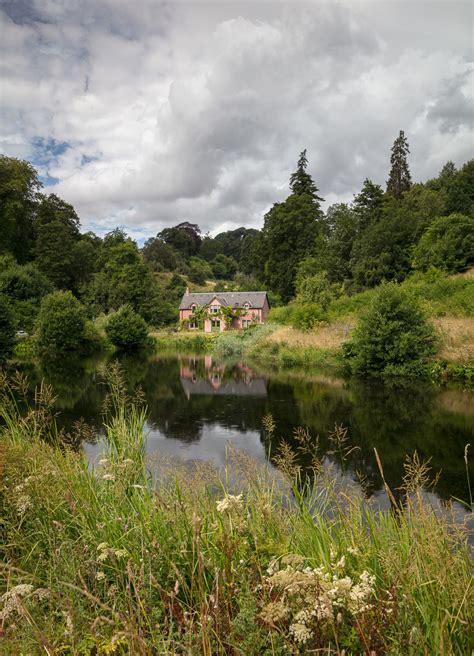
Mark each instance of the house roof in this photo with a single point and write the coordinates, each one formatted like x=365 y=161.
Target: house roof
x=234 y=299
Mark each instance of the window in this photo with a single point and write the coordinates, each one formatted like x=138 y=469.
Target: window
x=193 y=308
x=246 y=305
x=215 y=324
x=193 y=324
x=215 y=309
x=246 y=323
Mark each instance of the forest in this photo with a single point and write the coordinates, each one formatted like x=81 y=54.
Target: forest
x=302 y=255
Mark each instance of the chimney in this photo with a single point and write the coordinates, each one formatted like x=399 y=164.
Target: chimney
x=187 y=290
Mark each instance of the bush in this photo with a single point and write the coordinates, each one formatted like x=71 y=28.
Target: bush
x=393 y=338
x=61 y=323
x=307 y=316
x=126 y=329
x=447 y=244
x=7 y=331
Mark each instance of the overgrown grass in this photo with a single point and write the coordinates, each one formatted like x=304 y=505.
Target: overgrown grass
x=113 y=560
x=184 y=341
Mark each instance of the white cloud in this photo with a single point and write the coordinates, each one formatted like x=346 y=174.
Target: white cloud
x=199 y=111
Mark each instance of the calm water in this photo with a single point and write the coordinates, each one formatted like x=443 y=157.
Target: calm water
x=197 y=406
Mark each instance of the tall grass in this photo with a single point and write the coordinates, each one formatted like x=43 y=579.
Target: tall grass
x=135 y=557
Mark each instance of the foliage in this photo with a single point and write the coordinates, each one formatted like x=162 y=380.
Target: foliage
x=24 y=286
x=392 y=338
x=447 y=244
x=224 y=267
x=61 y=323
x=317 y=289
x=198 y=270
x=19 y=189
x=160 y=255
x=306 y=317
x=399 y=179
x=301 y=182
x=7 y=330
x=185 y=238
x=126 y=329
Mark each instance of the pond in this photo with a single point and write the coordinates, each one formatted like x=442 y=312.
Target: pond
x=198 y=405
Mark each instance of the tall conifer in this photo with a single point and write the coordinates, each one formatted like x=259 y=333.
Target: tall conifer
x=301 y=182
x=399 y=179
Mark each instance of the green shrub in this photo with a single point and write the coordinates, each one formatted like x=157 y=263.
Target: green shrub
x=307 y=316
x=282 y=315
x=392 y=338
x=126 y=329
x=61 y=323
x=7 y=331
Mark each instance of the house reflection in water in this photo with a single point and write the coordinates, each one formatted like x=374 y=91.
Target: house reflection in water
x=202 y=376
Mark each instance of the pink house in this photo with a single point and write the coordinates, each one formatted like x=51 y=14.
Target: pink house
x=250 y=308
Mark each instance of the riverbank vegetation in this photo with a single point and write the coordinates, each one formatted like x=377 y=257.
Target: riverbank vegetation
x=324 y=265
x=140 y=556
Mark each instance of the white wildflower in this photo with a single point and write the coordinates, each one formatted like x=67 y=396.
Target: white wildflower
x=23 y=504
x=103 y=462
x=10 y=599
x=353 y=551
x=100 y=576
x=102 y=546
x=108 y=477
x=128 y=461
x=121 y=553
x=300 y=633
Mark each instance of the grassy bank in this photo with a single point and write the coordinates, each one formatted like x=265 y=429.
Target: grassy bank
x=110 y=561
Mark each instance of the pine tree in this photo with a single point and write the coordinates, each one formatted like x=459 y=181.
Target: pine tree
x=399 y=179
x=301 y=182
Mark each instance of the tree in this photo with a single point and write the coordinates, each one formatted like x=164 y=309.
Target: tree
x=159 y=255
x=399 y=179
x=289 y=234
x=199 y=270
x=342 y=224
x=61 y=323
x=126 y=329
x=24 y=286
x=224 y=267
x=123 y=279
x=367 y=205
x=460 y=194
x=185 y=238
x=447 y=244
x=19 y=187
x=7 y=329
x=210 y=248
x=57 y=231
x=393 y=338
x=301 y=182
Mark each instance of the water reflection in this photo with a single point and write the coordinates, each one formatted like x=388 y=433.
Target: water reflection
x=197 y=405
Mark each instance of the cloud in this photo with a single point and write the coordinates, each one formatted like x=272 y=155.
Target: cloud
x=198 y=112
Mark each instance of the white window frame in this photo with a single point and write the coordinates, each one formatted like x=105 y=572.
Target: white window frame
x=246 y=323
x=215 y=309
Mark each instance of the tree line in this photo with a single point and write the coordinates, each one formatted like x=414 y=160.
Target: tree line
x=301 y=251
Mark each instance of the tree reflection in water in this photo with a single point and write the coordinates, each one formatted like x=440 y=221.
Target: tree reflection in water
x=197 y=404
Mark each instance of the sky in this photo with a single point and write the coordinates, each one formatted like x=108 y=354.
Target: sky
x=145 y=113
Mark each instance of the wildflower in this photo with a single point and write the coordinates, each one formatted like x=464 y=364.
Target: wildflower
x=11 y=598
x=102 y=546
x=108 y=477
x=100 y=576
x=23 y=504
x=128 y=461
x=229 y=502
x=300 y=633
x=103 y=462
x=103 y=556
x=121 y=553
x=353 y=551
x=138 y=487
x=274 y=612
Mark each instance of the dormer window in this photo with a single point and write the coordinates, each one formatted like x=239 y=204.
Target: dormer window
x=215 y=309
x=246 y=305
x=193 y=308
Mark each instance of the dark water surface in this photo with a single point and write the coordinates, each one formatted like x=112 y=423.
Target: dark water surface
x=197 y=406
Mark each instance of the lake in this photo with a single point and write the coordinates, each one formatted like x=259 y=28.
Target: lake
x=197 y=405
